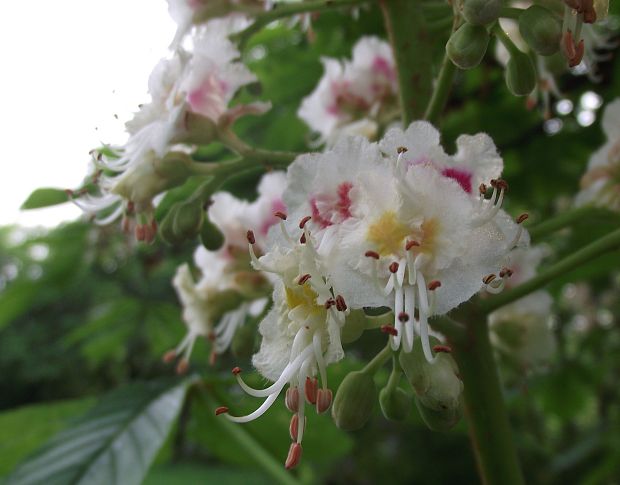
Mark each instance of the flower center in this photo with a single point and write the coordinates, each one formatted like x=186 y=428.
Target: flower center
x=387 y=234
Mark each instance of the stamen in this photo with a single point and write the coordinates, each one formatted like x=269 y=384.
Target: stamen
x=410 y=310
x=403 y=317
x=303 y=279
x=182 y=366
x=302 y=239
x=169 y=356
x=236 y=370
x=394 y=267
x=433 y=285
x=389 y=329
x=398 y=323
x=505 y=273
x=442 y=348
x=256 y=414
x=221 y=410
x=424 y=313
x=341 y=305
x=251 y=238
x=329 y=303
x=294 y=456
x=371 y=254
x=323 y=400
x=280 y=215
x=487 y=279
x=522 y=218
x=318 y=356
x=310 y=389
x=304 y=221
x=411 y=244
x=294 y=426
x=292 y=399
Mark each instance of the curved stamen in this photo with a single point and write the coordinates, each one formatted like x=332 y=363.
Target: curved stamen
x=410 y=310
x=256 y=414
x=424 y=313
x=398 y=324
x=318 y=356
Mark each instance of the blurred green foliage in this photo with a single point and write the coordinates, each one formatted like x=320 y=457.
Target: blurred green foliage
x=84 y=311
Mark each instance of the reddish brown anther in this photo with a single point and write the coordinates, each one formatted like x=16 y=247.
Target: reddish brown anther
x=293 y=427
x=411 y=244
x=482 y=189
x=394 y=267
x=169 y=356
x=433 y=285
x=400 y=150
x=251 y=238
x=573 y=52
x=389 y=329
x=304 y=221
x=403 y=317
x=522 y=218
x=487 y=279
x=505 y=273
x=500 y=184
x=372 y=254
x=292 y=399
x=236 y=371
x=182 y=366
x=341 y=305
x=221 y=410
x=442 y=348
x=294 y=456
x=324 y=399
x=304 y=278
x=311 y=389
x=329 y=303
x=280 y=215
x=302 y=239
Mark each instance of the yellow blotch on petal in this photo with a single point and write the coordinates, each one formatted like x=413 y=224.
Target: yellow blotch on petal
x=388 y=234
x=303 y=295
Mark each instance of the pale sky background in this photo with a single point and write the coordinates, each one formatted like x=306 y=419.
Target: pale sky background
x=67 y=68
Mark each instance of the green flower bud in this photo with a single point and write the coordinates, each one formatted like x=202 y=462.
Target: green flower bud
x=354 y=326
x=541 y=29
x=481 y=12
x=242 y=345
x=436 y=384
x=188 y=220
x=354 y=401
x=395 y=403
x=166 y=231
x=210 y=236
x=466 y=47
x=438 y=420
x=520 y=74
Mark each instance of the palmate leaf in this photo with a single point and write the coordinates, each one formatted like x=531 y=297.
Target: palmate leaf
x=115 y=443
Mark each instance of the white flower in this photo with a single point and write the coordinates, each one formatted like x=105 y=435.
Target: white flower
x=406 y=235
x=235 y=217
x=352 y=96
x=215 y=297
x=600 y=185
x=300 y=334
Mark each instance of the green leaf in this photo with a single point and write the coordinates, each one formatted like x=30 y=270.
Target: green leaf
x=116 y=442
x=44 y=198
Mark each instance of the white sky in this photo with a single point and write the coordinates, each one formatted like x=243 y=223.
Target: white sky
x=66 y=69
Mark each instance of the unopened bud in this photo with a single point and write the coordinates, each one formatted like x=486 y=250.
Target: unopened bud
x=481 y=12
x=438 y=419
x=395 y=403
x=188 y=220
x=541 y=29
x=437 y=384
x=467 y=46
x=354 y=326
x=354 y=401
x=520 y=74
x=242 y=345
x=210 y=235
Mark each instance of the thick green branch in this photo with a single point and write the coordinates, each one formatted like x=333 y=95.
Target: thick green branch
x=608 y=243
x=289 y=9
x=487 y=418
x=412 y=44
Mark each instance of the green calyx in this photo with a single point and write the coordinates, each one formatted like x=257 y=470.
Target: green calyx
x=354 y=401
x=467 y=46
x=481 y=12
x=541 y=29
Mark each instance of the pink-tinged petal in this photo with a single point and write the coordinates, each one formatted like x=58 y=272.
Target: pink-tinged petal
x=276 y=206
x=463 y=177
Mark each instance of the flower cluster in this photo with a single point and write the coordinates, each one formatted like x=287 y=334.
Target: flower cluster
x=190 y=94
x=398 y=224
x=600 y=185
x=228 y=290
x=353 y=97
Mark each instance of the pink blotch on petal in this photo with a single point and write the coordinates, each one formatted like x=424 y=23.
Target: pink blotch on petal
x=326 y=210
x=463 y=177
x=383 y=66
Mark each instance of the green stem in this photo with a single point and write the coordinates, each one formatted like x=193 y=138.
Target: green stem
x=507 y=41
x=605 y=244
x=489 y=427
x=378 y=360
x=442 y=91
x=412 y=46
x=395 y=375
x=510 y=13
x=567 y=219
x=288 y=10
x=248 y=444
